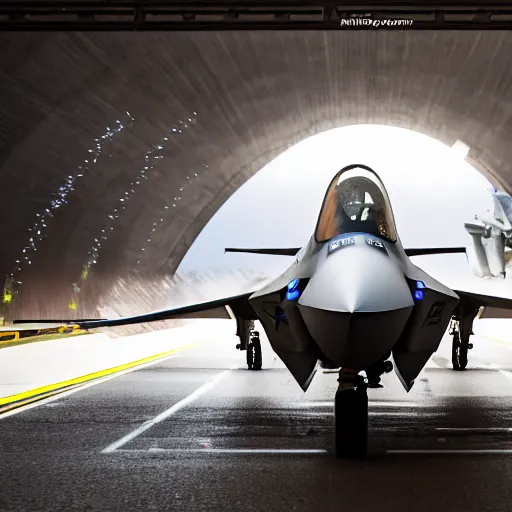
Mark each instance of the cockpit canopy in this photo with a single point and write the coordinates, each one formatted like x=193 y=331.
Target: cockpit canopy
x=356 y=201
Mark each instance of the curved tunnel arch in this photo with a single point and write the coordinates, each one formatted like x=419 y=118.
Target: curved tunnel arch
x=255 y=95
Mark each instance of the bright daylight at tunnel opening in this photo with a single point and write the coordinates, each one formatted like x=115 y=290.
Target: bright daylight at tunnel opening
x=255 y=257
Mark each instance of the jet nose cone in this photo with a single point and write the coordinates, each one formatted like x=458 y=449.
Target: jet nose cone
x=357 y=279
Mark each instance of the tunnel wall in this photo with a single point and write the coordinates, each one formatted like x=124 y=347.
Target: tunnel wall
x=174 y=123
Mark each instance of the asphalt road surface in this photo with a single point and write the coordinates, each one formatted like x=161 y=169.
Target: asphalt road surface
x=199 y=432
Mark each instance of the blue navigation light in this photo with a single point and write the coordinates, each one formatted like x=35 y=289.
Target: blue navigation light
x=420 y=285
x=292 y=285
x=294 y=295
x=419 y=294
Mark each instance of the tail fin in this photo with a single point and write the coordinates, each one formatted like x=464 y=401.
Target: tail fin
x=272 y=252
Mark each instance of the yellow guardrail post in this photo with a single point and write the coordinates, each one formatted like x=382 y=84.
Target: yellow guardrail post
x=9 y=337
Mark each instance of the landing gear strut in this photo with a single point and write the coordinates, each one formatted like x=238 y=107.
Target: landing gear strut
x=461 y=328
x=351 y=416
x=250 y=341
x=459 y=349
x=374 y=372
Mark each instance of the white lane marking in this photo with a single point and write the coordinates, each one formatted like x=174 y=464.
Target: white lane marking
x=165 y=414
x=450 y=452
x=375 y=403
x=393 y=404
x=235 y=450
x=474 y=429
x=495 y=367
x=506 y=373
x=314 y=404
x=64 y=394
x=397 y=413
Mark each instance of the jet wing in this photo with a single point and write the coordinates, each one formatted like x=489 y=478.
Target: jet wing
x=210 y=309
x=285 y=251
x=292 y=251
x=434 y=250
x=487 y=301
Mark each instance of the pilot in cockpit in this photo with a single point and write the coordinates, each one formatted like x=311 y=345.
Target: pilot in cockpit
x=361 y=207
x=355 y=203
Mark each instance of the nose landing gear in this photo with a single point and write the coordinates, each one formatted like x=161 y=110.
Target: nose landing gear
x=374 y=372
x=351 y=416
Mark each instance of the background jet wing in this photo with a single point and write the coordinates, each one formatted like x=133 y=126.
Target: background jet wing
x=488 y=301
x=291 y=251
x=210 y=309
x=434 y=250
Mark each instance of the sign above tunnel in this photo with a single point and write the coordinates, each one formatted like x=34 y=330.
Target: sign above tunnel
x=221 y=15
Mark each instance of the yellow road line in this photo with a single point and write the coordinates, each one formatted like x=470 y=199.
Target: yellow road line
x=21 y=399
x=27 y=401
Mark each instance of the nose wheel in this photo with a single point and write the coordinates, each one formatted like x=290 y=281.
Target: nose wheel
x=351 y=417
x=254 y=359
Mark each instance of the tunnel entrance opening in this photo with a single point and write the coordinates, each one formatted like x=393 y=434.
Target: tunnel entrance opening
x=427 y=180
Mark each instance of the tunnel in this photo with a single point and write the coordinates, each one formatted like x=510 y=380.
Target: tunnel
x=116 y=149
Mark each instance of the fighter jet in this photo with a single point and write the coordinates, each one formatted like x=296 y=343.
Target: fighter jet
x=491 y=254
x=351 y=300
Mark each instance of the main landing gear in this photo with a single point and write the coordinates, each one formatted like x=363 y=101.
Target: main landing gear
x=254 y=359
x=461 y=328
x=459 y=348
x=250 y=341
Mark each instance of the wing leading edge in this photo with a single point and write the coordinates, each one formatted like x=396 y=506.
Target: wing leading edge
x=435 y=250
x=200 y=310
x=292 y=251
x=487 y=301
x=285 y=251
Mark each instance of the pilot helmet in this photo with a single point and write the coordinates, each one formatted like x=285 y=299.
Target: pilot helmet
x=351 y=197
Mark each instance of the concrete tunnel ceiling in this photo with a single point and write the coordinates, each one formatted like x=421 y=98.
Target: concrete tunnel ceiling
x=203 y=112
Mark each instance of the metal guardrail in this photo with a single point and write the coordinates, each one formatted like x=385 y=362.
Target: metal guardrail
x=16 y=336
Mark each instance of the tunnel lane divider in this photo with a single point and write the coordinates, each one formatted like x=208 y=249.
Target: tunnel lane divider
x=9 y=403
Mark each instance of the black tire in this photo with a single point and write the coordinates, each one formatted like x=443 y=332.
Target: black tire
x=351 y=423
x=257 y=361
x=254 y=357
x=459 y=354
